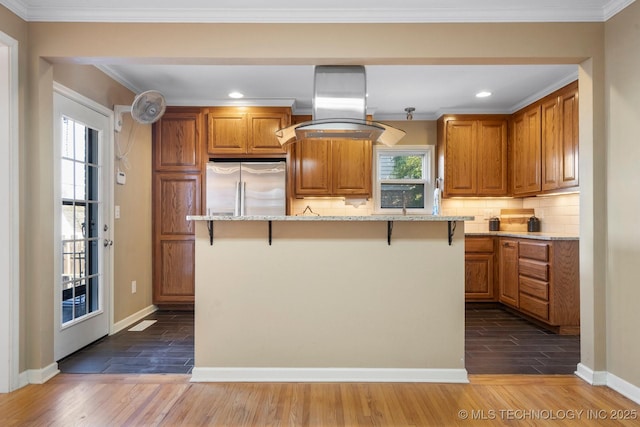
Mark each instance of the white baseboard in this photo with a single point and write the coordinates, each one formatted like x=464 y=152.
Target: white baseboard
x=600 y=378
x=39 y=376
x=591 y=376
x=328 y=375
x=128 y=321
x=623 y=387
x=23 y=379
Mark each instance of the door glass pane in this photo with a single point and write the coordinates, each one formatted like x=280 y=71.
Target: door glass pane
x=66 y=179
x=79 y=131
x=80 y=217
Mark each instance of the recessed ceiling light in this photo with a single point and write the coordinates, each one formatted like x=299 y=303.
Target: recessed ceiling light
x=236 y=95
x=483 y=94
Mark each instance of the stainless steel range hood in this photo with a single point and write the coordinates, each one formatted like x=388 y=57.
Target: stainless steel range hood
x=340 y=109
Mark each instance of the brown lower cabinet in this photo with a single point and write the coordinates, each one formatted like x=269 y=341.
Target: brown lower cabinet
x=537 y=278
x=479 y=269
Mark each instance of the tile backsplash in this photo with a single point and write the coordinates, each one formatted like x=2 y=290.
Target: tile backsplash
x=558 y=213
x=331 y=206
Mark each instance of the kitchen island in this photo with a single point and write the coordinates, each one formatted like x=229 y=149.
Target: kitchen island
x=307 y=298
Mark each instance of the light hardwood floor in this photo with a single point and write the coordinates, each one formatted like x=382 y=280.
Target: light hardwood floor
x=171 y=400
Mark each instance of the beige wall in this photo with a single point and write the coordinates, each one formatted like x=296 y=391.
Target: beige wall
x=329 y=295
x=581 y=43
x=622 y=36
x=132 y=247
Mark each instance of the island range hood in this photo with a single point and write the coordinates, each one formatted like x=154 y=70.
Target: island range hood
x=340 y=109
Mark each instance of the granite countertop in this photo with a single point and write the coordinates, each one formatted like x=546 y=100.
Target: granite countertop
x=526 y=235
x=416 y=218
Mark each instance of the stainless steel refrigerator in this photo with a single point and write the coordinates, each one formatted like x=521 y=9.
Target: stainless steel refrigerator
x=246 y=188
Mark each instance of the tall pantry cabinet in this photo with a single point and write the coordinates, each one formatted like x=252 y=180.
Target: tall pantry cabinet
x=177 y=192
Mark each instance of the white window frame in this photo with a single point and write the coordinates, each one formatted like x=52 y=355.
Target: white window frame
x=428 y=176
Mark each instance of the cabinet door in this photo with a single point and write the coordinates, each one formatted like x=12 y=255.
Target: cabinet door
x=461 y=166
x=508 y=272
x=492 y=158
x=351 y=167
x=226 y=132
x=526 y=152
x=313 y=167
x=262 y=132
x=175 y=196
x=550 y=144
x=479 y=282
x=177 y=141
x=569 y=139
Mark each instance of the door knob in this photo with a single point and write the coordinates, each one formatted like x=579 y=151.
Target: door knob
x=108 y=242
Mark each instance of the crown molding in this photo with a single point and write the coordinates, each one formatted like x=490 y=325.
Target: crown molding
x=614 y=6
x=18 y=7
x=569 y=78
x=456 y=11
x=109 y=71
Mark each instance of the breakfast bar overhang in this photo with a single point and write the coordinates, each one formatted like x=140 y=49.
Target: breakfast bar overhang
x=371 y=298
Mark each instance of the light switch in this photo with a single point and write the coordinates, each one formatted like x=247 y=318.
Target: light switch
x=117 y=212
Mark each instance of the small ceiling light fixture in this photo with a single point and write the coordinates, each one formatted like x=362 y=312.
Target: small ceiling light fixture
x=236 y=95
x=483 y=94
x=410 y=111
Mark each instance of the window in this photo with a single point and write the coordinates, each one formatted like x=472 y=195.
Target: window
x=404 y=179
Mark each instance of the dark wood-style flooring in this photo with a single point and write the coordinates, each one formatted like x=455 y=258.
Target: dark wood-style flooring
x=166 y=347
x=500 y=342
x=497 y=342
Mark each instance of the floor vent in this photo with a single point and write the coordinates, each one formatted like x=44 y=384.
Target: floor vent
x=142 y=325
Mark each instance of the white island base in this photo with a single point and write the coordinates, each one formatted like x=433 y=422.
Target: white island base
x=329 y=300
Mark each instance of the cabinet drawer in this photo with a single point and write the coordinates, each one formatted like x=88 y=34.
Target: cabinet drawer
x=478 y=244
x=534 y=306
x=534 y=288
x=534 y=269
x=537 y=251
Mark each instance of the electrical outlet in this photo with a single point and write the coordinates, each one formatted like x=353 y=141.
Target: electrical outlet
x=134 y=286
x=117 y=211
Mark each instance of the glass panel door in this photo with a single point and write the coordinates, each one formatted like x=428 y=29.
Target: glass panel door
x=83 y=175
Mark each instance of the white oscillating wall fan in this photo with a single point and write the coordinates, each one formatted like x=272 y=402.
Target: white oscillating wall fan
x=147 y=108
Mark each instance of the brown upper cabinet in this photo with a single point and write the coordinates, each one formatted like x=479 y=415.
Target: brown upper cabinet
x=472 y=152
x=560 y=145
x=239 y=131
x=338 y=167
x=325 y=167
x=525 y=152
x=544 y=144
x=176 y=141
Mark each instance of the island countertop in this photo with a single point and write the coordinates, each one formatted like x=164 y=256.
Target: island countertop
x=525 y=235
x=433 y=218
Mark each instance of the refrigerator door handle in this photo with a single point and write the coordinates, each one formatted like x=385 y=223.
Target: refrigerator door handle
x=236 y=210
x=243 y=195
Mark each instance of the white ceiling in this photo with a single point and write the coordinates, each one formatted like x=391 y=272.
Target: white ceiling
x=432 y=90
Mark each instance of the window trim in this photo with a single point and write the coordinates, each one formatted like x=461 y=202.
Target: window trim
x=429 y=177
